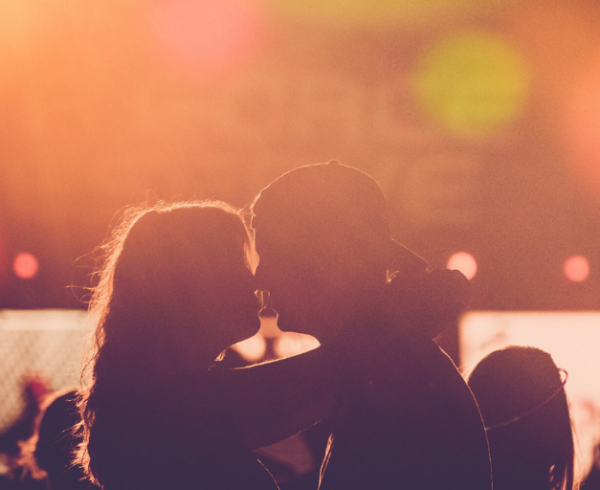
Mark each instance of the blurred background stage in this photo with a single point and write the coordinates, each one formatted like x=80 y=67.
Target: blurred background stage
x=479 y=118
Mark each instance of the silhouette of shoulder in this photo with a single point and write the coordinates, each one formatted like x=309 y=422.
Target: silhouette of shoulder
x=412 y=422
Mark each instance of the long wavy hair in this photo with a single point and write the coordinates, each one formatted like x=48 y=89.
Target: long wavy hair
x=524 y=406
x=165 y=269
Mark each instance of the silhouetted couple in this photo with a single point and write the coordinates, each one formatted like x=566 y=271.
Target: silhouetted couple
x=178 y=287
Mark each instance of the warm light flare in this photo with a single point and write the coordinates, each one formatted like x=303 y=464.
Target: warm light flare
x=577 y=268
x=463 y=262
x=252 y=349
x=291 y=344
x=203 y=35
x=25 y=265
x=369 y=13
x=583 y=126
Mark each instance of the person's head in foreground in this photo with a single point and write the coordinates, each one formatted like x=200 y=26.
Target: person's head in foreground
x=176 y=289
x=323 y=237
x=57 y=439
x=520 y=392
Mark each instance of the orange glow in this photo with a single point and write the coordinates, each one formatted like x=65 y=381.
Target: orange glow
x=463 y=262
x=268 y=327
x=291 y=344
x=25 y=265
x=379 y=14
x=203 y=35
x=252 y=349
x=577 y=268
x=583 y=126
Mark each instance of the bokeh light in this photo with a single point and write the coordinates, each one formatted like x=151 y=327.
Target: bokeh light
x=291 y=344
x=463 y=262
x=252 y=349
x=203 y=35
x=583 y=126
x=369 y=13
x=25 y=265
x=577 y=268
x=472 y=83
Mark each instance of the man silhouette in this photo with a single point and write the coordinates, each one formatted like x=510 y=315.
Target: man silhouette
x=326 y=256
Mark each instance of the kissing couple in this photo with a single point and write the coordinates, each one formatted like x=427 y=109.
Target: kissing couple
x=178 y=286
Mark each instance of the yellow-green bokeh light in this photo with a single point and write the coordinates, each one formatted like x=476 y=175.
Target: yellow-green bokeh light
x=372 y=13
x=472 y=83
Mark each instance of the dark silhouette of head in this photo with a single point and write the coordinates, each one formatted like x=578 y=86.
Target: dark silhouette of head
x=57 y=441
x=176 y=289
x=323 y=236
x=524 y=406
x=178 y=286
x=47 y=456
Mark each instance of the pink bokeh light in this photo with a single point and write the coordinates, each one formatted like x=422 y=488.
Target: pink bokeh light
x=25 y=265
x=577 y=268
x=463 y=262
x=203 y=35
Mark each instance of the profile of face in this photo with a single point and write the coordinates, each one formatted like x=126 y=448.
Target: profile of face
x=189 y=268
x=317 y=284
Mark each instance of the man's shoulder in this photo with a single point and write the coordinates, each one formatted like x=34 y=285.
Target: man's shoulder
x=415 y=353
x=409 y=367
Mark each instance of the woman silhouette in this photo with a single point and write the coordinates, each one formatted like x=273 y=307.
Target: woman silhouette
x=176 y=289
x=522 y=399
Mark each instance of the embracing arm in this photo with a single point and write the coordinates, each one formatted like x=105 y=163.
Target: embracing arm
x=271 y=401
